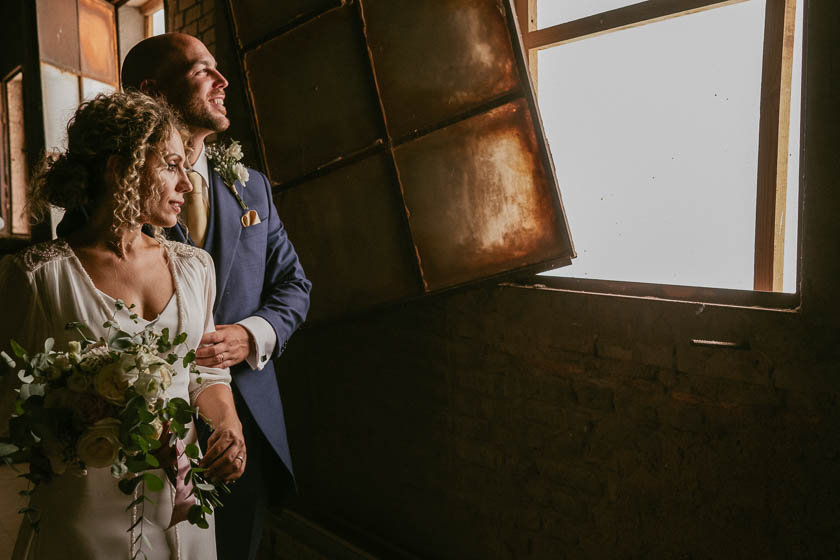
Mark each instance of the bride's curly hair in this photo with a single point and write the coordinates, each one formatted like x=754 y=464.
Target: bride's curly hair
x=130 y=125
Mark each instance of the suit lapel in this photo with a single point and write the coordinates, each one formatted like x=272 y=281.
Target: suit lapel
x=225 y=216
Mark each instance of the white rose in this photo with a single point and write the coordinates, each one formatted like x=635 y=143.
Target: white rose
x=78 y=382
x=149 y=386
x=113 y=379
x=241 y=173
x=99 y=446
x=234 y=151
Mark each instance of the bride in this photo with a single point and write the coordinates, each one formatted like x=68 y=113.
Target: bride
x=125 y=166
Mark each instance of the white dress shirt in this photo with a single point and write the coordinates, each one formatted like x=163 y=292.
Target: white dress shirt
x=261 y=330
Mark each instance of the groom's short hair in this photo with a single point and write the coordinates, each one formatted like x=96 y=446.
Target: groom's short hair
x=149 y=59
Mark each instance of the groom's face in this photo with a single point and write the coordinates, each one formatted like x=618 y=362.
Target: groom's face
x=195 y=86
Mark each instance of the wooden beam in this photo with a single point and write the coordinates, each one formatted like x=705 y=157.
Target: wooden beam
x=614 y=20
x=773 y=136
x=151 y=7
x=526 y=14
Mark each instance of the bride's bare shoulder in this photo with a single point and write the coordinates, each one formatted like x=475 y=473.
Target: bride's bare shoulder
x=35 y=256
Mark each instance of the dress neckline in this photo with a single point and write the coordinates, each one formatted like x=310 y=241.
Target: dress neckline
x=176 y=294
x=140 y=317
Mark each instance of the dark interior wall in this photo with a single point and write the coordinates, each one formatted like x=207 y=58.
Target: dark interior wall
x=502 y=422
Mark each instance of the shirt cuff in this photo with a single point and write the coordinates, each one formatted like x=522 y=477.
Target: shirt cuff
x=264 y=341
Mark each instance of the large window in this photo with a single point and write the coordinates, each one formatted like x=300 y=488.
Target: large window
x=675 y=148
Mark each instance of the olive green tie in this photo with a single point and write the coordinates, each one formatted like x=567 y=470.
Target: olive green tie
x=196 y=208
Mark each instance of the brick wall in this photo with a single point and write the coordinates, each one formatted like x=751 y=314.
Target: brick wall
x=519 y=423
x=195 y=17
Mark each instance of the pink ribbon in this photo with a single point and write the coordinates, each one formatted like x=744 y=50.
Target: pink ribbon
x=183 y=500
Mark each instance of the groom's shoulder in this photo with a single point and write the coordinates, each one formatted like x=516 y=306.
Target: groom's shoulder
x=183 y=251
x=37 y=255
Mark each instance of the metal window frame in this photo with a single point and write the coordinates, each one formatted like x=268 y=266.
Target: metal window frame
x=777 y=63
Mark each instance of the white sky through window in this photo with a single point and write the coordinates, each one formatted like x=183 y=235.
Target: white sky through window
x=654 y=134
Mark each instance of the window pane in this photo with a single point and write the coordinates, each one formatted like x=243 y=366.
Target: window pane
x=98 y=34
x=158 y=23
x=553 y=12
x=17 y=154
x=656 y=148
x=91 y=88
x=60 y=91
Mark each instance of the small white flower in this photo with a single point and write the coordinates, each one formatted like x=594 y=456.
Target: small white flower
x=74 y=351
x=234 y=150
x=241 y=173
x=119 y=470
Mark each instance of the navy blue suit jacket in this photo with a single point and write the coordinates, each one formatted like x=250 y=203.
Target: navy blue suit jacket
x=257 y=273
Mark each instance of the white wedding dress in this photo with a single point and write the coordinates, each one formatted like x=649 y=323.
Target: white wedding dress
x=85 y=517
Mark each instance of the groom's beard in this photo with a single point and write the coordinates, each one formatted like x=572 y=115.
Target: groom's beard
x=196 y=114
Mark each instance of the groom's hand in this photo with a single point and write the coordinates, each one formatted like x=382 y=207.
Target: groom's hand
x=226 y=347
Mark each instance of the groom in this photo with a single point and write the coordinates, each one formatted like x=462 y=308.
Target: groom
x=262 y=295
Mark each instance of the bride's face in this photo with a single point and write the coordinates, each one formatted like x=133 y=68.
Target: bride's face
x=168 y=177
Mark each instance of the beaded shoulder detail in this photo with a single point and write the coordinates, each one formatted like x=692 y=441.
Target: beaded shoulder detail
x=184 y=251
x=39 y=254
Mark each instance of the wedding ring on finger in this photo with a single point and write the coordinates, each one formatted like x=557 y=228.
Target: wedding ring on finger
x=240 y=459
x=220 y=357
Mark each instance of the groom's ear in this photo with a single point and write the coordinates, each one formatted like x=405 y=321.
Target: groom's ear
x=150 y=87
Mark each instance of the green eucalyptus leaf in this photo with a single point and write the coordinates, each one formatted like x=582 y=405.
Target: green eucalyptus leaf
x=194 y=514
x=8 y=449
x=152 y=461
x=146 y=429
x=179 y=339
x=177 y=427
x=183 y=416
x=136 y=502
x=191 y=450
x=121 y=343
x=136 y=465
x=17 y=349
x=189 y=358
x=127 y=485
x=153 y=482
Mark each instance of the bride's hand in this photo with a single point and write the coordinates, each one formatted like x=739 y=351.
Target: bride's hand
x=226 y=455
x=226 y=347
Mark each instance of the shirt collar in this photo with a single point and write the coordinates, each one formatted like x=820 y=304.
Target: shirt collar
x=202 y=166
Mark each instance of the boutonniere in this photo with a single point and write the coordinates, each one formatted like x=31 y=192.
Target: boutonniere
x=225 y=161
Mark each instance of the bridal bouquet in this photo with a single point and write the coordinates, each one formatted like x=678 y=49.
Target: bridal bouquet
x=101 y=403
